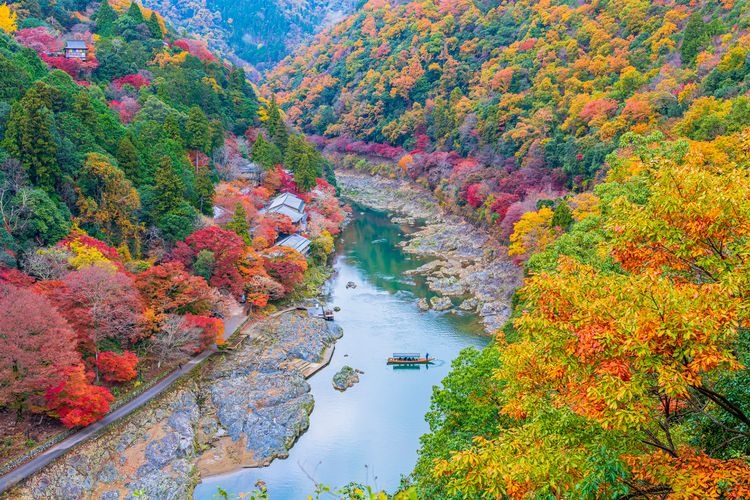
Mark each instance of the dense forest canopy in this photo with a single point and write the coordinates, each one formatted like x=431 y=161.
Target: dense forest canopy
x=539 y=92
x=133 y=168
x=606 y=143
x=624 y=369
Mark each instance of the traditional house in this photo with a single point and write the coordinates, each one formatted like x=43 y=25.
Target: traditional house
x=76 y=49
x=290 y=205
x=296 y=242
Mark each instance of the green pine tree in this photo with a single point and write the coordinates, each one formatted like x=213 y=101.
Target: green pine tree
x=128 y=161
x=306 y=173
x=562 y=217
x=154 y=27
x=204 y=191
x=238 y=223
x=295 y=150
x=693 y=39
x=243 y=100
x=238 y=79
x=84 y=110
x=172 y=128
x=304 y=161
x=168 y=187
x=105 y=19
x=204 y=264
x=265 y=154
x=198 y=131
x=276 y=127
x=136 y=13
x=29 y=137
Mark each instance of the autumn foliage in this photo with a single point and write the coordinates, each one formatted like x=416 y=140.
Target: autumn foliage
x=631 y=341
x=227 y=248
x=76 y=401
x=36 y=345
x=169 y=289
x=114 y=367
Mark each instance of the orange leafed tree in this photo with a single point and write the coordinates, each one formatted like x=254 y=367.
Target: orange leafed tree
x=76 y=401
x=626 y=359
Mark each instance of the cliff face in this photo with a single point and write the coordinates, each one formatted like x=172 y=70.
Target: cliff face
x=258 y=32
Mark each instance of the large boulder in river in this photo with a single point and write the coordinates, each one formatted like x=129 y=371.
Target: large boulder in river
x=441 y=303
x=345 y=378
x=423 y=305
x=469 y=305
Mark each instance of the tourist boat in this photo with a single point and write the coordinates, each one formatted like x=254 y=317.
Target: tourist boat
x=409 y=358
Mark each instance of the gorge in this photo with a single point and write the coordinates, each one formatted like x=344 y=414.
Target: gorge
x=561 y=186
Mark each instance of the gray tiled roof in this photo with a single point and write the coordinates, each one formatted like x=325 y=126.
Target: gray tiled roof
x=75 y=44
x=289 y=200
x=295 y=241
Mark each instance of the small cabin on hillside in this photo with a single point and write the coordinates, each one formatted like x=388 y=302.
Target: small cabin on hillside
x=290 y=205
x=76 y=49
x=296 y=242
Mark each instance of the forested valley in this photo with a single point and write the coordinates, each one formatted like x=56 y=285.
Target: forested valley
x=605 y=145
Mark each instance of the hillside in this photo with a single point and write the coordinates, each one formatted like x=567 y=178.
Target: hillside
x=540 y=92
x=130 y=208
x=607 y=144
x=257 y=32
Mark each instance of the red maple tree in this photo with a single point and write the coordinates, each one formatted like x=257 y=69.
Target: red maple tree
x=36 y=344
x=76 y=401
x=115 y=367
x=228 y=250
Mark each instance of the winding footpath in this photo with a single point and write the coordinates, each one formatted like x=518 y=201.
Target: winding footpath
x=48 y=456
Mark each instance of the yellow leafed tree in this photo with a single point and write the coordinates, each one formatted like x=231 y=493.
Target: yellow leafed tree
x=532 y=233
x=7 y=19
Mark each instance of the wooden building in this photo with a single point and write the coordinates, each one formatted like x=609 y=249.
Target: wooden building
x=76 y=49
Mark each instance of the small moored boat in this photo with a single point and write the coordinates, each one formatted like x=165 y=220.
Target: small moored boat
x=409 y=358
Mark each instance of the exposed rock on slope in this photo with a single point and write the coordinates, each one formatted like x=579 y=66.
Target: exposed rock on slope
x=247 y=410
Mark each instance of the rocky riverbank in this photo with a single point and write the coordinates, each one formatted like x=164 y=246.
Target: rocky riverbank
x=468 y=270
x=245 y=410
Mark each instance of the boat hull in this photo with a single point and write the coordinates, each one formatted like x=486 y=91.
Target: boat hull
x=418 y=361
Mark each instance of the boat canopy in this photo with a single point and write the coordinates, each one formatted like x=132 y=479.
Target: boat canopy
x=407 y=355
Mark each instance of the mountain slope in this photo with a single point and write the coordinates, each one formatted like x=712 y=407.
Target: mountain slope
x=129 y=216
x=623 y=373
x=257 y=31
x=549 y=84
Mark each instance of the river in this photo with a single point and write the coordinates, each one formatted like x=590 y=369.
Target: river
x=370 y=433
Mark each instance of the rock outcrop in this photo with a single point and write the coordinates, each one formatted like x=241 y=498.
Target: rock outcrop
x=345 y=378
x=148 y=454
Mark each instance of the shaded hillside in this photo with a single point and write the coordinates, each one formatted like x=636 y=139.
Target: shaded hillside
x=256 y=31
